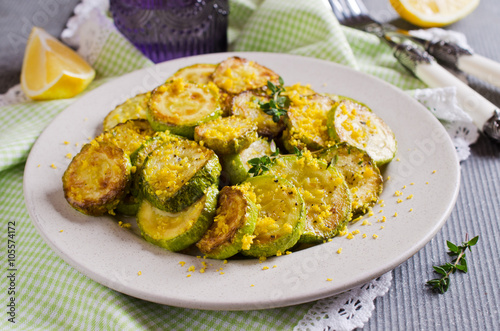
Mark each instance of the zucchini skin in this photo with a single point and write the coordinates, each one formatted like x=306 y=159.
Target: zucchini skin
x=328 y=210
x=225 y=237
x=97 y=178
x=192 y=189
x=128 y=205
x=277 y=243
x=195 y=226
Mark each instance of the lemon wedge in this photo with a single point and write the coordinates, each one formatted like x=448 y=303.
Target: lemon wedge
x=433 y=13
x=51 y=70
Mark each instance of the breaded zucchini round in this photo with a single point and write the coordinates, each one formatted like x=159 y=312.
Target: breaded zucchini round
x=177 y=231
x=354 y=123
x=133 y=108
x=179 y=106
x=97 y=178
x=360 y=172
x=226 y=135
x=247 y=105
x=177 y=173
x=281 y=218
x=325 y=192
x=233 y=225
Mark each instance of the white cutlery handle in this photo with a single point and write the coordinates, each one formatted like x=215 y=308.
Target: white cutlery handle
x=480 y=109
x=481 y=67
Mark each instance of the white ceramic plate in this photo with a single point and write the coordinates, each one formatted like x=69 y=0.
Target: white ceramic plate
x=426 y=171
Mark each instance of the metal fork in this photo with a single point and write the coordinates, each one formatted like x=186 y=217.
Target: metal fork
x=415 y=58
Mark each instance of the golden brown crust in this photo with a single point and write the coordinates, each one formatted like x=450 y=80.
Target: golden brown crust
x=235 y=75
x=230 y=217
x=97 y=178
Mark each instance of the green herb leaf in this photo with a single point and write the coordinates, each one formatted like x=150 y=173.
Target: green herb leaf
x=442 y=284
x=452 y=247
x=297 y=151
x=473 y=241
x=278 y=104
x=259 y=165
x=334 y=161
x=439 y=270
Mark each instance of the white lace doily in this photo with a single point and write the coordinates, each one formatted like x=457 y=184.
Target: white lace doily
x=348 y=310
x=442 y=102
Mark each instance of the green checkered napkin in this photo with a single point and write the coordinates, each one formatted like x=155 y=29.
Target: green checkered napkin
x=49 y=294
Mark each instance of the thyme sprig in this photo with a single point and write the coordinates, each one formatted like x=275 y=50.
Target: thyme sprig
x=259 y=165
x=459 y=263
x=278 y=104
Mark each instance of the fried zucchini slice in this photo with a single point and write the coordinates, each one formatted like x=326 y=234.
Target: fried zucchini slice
x=235 y=75
x=360 y=172
x=179 y=106
x=281 y=218
x=236 y=165
x=139 y=156
x=355 y=123
x=133 y=108
x=177 y=231
x=177 y=173
x=129 y=136
x=200 y=73
x=97 y=178
x=233 y=225
x=226 y=135
x=247 y=105
x=307 y=122
x=325 y=192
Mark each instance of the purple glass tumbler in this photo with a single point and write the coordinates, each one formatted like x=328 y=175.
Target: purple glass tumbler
x=169 y=29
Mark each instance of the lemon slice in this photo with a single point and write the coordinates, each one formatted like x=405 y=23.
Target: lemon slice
x=433 y=13
x=52 y=70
